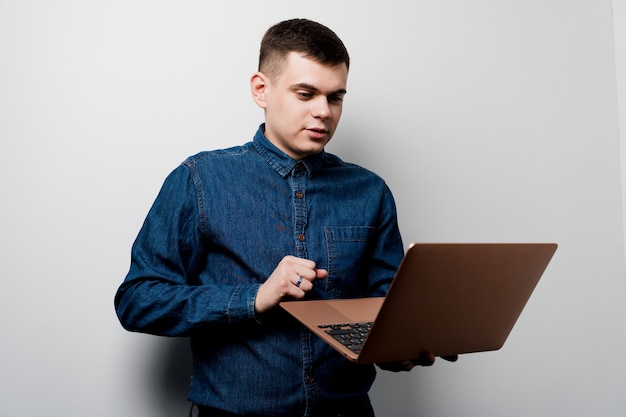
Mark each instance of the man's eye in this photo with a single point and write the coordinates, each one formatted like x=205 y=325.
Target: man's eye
x=335 y=99
x=304 y=95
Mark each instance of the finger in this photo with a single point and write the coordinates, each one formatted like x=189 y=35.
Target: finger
x=296 y=293
x=403 y=366
x=297 y=262
x=321 y=273
x=309 y=275
x=425 y=359
x=303 y=283
x=305 y=274
x=298 y=281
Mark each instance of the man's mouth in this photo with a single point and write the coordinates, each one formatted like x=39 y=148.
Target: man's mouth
x=317 y=133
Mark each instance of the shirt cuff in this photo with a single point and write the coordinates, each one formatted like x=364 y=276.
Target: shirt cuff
x=241 y=304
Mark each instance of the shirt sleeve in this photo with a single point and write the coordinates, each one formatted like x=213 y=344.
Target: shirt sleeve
x=161 y=294
x=387 y=246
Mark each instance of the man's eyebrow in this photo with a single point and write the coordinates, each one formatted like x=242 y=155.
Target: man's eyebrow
x=306 y=86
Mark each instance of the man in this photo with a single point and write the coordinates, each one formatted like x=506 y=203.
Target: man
x=234 y=232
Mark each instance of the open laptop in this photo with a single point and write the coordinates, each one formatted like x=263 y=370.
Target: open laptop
x=446 y=298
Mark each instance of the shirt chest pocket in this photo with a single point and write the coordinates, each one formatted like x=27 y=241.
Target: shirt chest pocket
x=347 y=248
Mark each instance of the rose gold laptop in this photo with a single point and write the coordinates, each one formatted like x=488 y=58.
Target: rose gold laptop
x=446 y=298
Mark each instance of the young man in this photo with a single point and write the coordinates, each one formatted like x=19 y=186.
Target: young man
x=234 y=232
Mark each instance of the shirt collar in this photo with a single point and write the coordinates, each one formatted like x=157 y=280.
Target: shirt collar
x=280 y=161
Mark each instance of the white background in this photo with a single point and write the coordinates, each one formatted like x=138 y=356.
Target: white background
x=491 y=120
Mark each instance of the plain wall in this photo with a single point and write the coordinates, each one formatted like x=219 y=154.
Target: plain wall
x=619 y=27
x=491 y=121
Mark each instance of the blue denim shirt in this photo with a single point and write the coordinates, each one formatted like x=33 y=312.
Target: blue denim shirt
x=220 y=225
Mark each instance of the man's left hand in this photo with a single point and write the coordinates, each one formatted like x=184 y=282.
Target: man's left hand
x=425 y=359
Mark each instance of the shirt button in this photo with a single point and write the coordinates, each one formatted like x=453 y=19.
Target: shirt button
x=309 y=379
x=299 y=195
x=301 y=237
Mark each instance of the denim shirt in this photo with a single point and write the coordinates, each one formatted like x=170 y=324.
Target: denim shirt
x=221 y=223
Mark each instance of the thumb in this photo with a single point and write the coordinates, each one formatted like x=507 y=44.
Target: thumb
x=321 y=273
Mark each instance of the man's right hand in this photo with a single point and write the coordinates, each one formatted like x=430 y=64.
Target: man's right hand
x=293 y=277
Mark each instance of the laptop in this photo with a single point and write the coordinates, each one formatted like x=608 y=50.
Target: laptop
x=445 y=298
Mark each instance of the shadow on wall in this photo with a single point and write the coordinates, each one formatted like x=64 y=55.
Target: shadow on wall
x=167 y=376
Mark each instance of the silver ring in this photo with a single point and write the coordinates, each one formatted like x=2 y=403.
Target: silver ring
x=299 y=282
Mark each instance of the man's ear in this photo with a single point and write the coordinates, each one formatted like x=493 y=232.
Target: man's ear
x=259 y=85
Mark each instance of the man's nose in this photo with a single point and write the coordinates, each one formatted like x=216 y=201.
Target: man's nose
x=321 y=109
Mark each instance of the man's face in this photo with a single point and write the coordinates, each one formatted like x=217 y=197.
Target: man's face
x=302 y=104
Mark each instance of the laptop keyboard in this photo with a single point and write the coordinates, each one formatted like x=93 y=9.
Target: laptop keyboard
x=352 y=335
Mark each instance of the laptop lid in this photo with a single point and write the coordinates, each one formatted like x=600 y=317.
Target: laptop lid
x=446 y=298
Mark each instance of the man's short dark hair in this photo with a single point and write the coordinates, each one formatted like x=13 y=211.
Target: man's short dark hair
x=312 y=39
